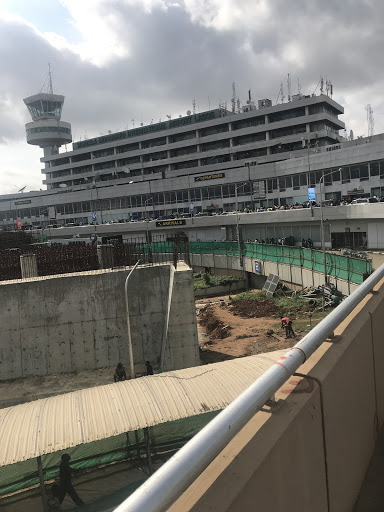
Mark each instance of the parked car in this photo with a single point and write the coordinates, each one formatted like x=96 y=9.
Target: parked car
x=361 y=200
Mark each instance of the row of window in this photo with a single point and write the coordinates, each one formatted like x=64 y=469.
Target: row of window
x=214 y=130
x=345 y=174
x=43 y=129
x=138 y=201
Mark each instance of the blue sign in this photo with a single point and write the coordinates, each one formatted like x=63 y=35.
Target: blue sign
x=311 y=194
x=257 y=266
x=191 y=207
x=94 y=216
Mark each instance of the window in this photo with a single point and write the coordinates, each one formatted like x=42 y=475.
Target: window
x=364 y=175
x=335 y=175
x=303 y=180
x=374 y=168
x=296 y=182
x=345 y=176
x=355 y=172
x=282 y=184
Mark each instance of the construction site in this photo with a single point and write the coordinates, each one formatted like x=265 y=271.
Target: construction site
x=70 y=314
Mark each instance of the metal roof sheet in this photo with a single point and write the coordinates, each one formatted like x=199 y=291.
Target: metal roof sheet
x=64 y=421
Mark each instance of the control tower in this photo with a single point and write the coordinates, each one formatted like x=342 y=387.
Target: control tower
x=47 y=130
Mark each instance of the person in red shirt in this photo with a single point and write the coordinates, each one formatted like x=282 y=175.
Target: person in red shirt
x=286 y=323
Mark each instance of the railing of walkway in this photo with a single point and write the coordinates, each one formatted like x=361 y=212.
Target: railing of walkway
x=174 y=477
x=343 y=267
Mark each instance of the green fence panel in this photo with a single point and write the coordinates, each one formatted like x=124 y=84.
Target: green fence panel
x=343 y=267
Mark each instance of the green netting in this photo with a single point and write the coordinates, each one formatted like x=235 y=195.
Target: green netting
x=164 y=437
x=343 y=267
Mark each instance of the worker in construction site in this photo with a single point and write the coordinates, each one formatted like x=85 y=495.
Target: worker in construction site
x=120 y=373
x=149 y=368
x=286 y=323
x=65 y=482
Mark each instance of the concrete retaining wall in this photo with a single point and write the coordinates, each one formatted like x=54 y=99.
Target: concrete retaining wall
x=60 y=324
x=290 y=274
x=310 y=450
x=221 y=290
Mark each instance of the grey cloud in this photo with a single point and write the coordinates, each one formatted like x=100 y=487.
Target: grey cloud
x=174 y=60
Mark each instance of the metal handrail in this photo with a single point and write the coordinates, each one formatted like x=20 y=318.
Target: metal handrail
x=168 y=483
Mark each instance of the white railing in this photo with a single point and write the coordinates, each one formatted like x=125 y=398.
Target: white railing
x=164 y=487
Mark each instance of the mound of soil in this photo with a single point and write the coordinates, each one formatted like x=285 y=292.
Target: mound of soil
x=215 y=328
x=256 y=308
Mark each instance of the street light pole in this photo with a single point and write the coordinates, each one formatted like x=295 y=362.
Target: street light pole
x=322 y=237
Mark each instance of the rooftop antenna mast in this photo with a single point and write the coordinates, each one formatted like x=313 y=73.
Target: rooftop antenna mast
x=321 y=85
x=281 y=93
x=50 y=87
x=233 y=100
x=194 y=106
x=370 y=120
x=289 y=87
x=298 y=87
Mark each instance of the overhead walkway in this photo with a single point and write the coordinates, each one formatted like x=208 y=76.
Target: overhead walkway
x=126 y=421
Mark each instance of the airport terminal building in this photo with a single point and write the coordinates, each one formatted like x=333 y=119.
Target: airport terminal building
x=213 y=161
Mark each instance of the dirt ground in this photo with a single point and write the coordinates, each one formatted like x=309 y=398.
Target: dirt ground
x=224 y=334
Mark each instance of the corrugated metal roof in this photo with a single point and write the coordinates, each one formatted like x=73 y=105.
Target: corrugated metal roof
x=61 y=422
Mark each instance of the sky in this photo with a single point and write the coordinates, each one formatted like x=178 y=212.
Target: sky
x=120 y=63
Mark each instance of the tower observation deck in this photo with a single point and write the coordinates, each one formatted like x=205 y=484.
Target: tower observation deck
x=46 y=129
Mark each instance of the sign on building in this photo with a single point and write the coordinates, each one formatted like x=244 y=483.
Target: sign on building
x=207 y=177
x=170 y=222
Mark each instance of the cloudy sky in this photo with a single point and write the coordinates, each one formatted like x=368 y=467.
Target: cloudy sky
x=123 y=62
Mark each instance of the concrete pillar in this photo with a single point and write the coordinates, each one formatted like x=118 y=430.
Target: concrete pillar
x=105 y=256
x=28 y=265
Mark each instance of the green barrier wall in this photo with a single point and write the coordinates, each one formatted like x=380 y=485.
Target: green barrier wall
x=343 y=267
x=163 y=438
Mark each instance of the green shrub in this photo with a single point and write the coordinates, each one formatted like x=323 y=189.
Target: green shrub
x=207 y=279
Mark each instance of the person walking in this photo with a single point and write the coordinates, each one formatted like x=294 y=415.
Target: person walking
x=286 y=323
x=120 y=373
x=149 y=368
x=65 y=481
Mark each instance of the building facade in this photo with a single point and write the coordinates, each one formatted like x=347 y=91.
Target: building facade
x=211 y=161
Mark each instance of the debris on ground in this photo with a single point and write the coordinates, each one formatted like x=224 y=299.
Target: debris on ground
x=216 y=329
x=314 y=295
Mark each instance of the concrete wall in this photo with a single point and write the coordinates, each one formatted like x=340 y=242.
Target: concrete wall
x=310 y=450
x=221 y=290
x=290 y=274
x=60 y=324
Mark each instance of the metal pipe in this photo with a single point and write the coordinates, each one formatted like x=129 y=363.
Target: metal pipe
x=130 y=350
x=323 y=242
x=42 y=484
x=175 y=476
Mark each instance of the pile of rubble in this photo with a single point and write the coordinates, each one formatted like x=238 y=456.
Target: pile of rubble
x=332 y=296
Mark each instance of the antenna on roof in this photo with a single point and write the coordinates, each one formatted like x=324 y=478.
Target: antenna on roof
x=289 y=87
x=370 y=120
x=50 y=87
x=281 y=93
x=233 y=100
x=321 y=85
x=194 y=106
x=298 y=87
x=22 y=189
